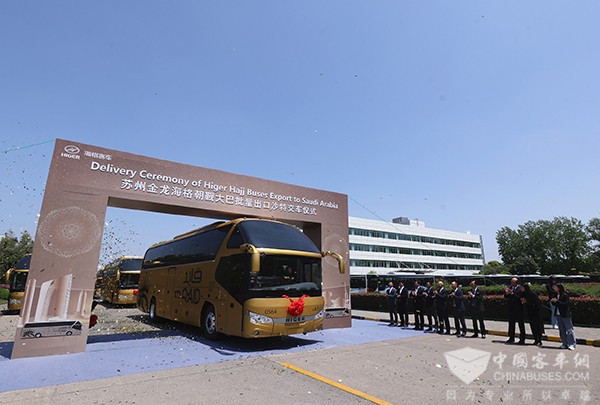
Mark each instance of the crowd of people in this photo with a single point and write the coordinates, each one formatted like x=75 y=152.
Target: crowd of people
x=438 y=304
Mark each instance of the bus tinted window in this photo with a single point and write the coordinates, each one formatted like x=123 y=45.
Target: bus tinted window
x=196 y=248
x=131 y=264
x=358 y=282
x=204 y=246
x=18 y=281
x=24 y=262
x=288 y=275
x=236 y=239
x=129 y=280
x=232 y=273
x=275 y=235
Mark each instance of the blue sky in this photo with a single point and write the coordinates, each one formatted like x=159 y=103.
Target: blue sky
x=469 y=115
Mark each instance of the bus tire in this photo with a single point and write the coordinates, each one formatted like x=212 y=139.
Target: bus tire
x=38 y=335
x=143 y=304
x=69 y=333
x=209 y=323
x=152 y=310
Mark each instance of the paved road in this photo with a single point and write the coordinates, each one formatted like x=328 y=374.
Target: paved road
x=390 y=364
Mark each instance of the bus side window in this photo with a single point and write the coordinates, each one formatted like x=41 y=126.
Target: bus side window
x=204 y=246
x=231 y=275
x=235 y=240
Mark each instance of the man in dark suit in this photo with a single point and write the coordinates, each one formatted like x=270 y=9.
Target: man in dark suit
x=477 y=310
x=403 y=304
x=441 y=296
x=430 y=308
x=458 y=303
x=418 y=296
x=515 y=311
x=391 y=293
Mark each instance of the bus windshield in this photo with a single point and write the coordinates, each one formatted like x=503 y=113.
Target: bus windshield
x=18 y=280
x=24 y=262
x=131 y=264
x=280 y=274
x=129 y=280
x=275 y=235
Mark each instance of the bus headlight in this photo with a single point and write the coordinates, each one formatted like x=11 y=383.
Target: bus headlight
x=259 y=319
x=319 y=315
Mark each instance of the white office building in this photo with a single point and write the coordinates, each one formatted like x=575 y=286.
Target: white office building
x=407 y=246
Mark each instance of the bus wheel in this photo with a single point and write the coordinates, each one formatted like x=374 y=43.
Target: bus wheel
x=38 y=335
x=152 y=310
x=143 y=305
x=209 y=323
x=69 y=333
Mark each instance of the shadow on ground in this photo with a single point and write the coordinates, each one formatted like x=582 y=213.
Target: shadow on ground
x=231 y=344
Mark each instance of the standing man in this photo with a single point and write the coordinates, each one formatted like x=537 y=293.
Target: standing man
x=391 y=303
x=532 y=305
x=441 y=295
x=430 y=307
x=515 y=311
x=458 y=303
x=564 y=317
x=478 y=310
x=403 y=304
x=552 y=294
x=419 y=295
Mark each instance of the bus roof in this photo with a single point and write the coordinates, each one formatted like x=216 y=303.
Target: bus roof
x=214 y=225
x=129 y=257
x=219 y=224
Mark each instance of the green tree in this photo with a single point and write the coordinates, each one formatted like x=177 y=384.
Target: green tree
x=557 y=246
x=12 y=249
x=494 y=267
x=593 y=231
x=569 y=246
x=524 y=265
x=511 y=244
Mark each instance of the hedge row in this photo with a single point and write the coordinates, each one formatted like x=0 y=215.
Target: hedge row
x=575 y=290
x=3 y=294
x=586 y=311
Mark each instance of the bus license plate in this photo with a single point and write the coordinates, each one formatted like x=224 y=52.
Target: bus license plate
x=296 y=319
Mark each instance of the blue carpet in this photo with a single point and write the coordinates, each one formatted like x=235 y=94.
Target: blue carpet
x=126 y=354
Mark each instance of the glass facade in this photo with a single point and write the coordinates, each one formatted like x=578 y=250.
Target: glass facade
x=406 y=251
x=413 y=238
x=411 y=248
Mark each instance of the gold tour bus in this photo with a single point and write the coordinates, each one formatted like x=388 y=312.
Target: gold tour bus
x=7 y=275
x=120 y=280
x=16 y=283
x=248 y=277
x=98 y=285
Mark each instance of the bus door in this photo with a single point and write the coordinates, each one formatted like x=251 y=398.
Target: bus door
x=165 y=299
x=231 y=275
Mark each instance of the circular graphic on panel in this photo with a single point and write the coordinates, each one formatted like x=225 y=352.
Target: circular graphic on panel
x=69 y=232
x=336 y=244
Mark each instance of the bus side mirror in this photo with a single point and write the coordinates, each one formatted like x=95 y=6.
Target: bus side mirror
x=338 y=257
x=249 y=248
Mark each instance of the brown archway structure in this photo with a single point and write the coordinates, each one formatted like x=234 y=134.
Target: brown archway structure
x=85 y=179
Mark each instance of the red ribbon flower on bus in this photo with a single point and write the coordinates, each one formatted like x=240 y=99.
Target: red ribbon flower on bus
x=296 y=307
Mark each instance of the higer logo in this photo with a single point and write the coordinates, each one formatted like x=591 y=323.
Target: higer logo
x=467 y=364
x=71 y=152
